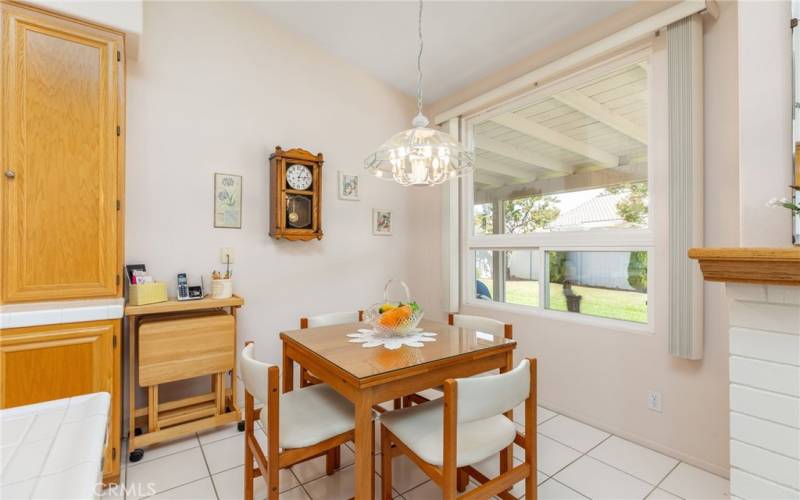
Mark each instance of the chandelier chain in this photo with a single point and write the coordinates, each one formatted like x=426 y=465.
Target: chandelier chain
x=419 y=62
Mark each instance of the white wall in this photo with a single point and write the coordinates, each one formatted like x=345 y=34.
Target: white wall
x=765 y=134
x=216 y=88
x=602 y=375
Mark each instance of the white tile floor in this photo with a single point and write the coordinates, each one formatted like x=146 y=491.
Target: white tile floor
x=576 y=461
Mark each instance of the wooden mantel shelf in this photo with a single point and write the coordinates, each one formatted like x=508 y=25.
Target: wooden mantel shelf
x=772 y=266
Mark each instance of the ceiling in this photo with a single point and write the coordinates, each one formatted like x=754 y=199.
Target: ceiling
x=599 y=126
x=464 y=40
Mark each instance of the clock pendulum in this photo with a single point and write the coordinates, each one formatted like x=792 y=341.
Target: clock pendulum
x=293 y=217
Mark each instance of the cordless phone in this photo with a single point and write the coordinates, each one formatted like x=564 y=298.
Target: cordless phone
x=183 y=287
x=187 y=291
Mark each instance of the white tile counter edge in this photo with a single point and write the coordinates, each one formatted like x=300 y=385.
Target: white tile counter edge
x=52 y=313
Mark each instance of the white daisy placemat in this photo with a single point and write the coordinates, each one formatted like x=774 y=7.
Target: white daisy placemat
x=371 y=338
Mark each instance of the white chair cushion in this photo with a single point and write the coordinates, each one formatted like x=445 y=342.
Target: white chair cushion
x=421 y=428
x=312 y=415
x=483 y=397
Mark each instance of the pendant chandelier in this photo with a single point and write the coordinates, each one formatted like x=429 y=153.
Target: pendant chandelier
x=420 y=156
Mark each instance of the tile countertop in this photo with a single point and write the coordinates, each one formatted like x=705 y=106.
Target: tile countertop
x=54 y=450
x=51 y=313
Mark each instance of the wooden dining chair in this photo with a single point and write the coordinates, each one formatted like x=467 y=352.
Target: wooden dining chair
x=446 y=437
x=300 y=425
x=307 y=378
x=486 y=325
x=337 y=318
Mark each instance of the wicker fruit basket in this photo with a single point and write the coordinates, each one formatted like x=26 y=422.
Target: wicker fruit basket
x=395 y=318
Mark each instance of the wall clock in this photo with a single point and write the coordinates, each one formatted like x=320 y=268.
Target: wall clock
x=295 y=194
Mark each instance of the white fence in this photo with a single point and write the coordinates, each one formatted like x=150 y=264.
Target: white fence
x=597 y=269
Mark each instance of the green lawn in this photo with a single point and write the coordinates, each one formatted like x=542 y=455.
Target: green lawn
x=616 y=304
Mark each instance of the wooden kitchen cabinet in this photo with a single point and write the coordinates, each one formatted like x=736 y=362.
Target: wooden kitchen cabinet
x=62 y=147
x=42 y=363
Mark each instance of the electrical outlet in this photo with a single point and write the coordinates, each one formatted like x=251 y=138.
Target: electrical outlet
x=654 y=401
x=227 y=252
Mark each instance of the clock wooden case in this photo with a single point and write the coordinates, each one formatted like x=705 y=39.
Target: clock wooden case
x=295 y=195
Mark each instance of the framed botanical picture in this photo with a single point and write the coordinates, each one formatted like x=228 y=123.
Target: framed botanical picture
x=228 y=201
x=381 y=222
x=348 y=186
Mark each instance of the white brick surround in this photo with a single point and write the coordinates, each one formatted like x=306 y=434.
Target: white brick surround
x=764 y=391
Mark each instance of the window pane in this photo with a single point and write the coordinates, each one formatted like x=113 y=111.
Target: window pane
x=517 y=283
x=573 y=160
x=607 y=284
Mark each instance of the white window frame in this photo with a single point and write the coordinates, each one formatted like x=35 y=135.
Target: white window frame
x=599 y=240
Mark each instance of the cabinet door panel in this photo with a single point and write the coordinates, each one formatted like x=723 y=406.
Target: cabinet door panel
x=43 y=363
x=55 y=361
x=60 y=118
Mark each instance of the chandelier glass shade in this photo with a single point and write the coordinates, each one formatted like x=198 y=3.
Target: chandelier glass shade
x=420 y=156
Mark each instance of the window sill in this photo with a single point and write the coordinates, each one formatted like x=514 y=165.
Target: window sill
x=581 y=319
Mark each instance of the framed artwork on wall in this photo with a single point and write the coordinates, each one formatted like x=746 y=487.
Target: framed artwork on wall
x=228 y=201
x=381 y=222
x=348 y=186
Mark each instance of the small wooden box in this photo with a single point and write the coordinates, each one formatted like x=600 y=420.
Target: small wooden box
x=186 y=346
x=147 y=293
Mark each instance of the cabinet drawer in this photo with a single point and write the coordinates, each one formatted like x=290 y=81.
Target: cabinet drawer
x=173 y=349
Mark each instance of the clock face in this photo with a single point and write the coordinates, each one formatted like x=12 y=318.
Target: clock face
x=298 y=177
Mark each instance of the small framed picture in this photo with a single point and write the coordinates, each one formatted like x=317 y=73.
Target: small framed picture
x=348 y=186
x=381 y=222
x=228 y=201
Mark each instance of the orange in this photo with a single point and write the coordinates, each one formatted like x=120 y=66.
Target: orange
x=393 y=317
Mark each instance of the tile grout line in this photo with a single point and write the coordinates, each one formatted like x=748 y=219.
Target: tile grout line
x=552 y=478
x=628 y=473
x=611 y=465
x=302 y=486
x=657 y=486
x=176 y=487
x=572 y=462
x=205 y=461
x=621 y=470
x=140 y=462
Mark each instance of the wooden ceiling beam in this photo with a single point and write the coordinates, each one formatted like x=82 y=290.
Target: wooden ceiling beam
x=520 y=154
x=535 y=130
x=509 y=171
x=492 y=180
x=601 y=113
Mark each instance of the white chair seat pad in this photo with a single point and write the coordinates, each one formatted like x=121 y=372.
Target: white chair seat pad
x=312 y=415
x=421 y=428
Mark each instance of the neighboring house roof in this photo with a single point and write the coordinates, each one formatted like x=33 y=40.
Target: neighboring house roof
x=600 y=211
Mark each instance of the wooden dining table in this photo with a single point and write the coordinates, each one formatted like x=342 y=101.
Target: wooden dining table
x=371 y=375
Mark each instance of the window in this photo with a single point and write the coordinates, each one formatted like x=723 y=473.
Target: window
x=558 y=211
x=510 y=276
x=606 y=284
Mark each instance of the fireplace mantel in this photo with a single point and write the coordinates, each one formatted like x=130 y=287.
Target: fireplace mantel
x=762 y=288
x=769 y=266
